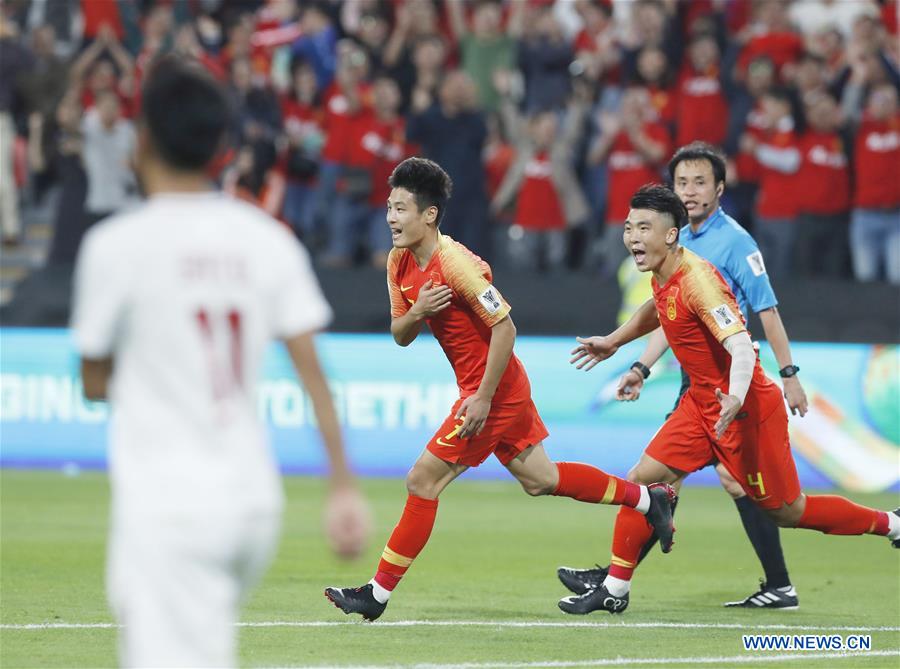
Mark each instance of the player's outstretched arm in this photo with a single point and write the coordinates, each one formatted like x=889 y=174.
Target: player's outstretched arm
x=347 y=515
x=475 y=408
x=592 y=350
x=431 y=301
x=781 y=347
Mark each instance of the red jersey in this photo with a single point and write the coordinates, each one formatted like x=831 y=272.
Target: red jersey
x=464 y=328
x=702 y=109
x=697 y=312
x=778 y=195
x=629 y=170
x=539 y=207
x=385 y=142
x=343 y=128
x=302 y=122
x=877 y=156
x=824 y=177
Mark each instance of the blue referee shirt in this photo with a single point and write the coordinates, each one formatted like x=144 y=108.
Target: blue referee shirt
x=724 y=243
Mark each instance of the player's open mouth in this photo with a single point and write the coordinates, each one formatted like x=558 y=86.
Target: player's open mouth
x=638 y=255
x=395 y=233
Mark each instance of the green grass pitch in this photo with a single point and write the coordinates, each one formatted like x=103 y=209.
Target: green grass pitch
x=485 y=583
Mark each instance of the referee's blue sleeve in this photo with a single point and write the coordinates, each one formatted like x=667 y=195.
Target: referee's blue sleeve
x=747 y=265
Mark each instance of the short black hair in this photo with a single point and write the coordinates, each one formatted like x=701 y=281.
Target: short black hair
x=186 y=112
x=430 y=185
x=699 y=151
x=662 y=200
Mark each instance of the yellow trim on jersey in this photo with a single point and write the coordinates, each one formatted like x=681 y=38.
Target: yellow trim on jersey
x=703 y=292
x=470 y=276
x=610 y=491
x=395 y=558
x=619 y=562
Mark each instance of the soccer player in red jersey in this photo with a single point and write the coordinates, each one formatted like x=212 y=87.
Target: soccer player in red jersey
x=732 y=412
x=435 y=280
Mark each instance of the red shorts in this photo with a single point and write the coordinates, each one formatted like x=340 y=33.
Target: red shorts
x=510 y=428
x=755 y=449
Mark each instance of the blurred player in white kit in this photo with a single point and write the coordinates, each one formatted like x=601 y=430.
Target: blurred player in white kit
x=175 y=303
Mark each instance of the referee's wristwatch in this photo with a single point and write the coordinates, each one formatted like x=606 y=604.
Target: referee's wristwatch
x=642 y=369
x=788 y=372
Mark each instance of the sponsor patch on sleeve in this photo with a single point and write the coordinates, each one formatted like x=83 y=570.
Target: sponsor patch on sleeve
x=757 y=266
x=724 y=316
x=490 y=300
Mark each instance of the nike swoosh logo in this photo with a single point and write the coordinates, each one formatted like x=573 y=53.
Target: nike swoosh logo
x=441 y=442
x=405 y=288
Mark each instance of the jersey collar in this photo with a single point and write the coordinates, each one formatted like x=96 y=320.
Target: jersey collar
x=707 y=224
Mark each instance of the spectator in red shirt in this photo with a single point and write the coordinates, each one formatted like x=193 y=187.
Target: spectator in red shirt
x=303 y=118
x=875 y=224
x=345 y=101
x=702 y=110
x=778 y=201
x=824 y=184
x=376 y=144
x=635 y=148
x=543 y=181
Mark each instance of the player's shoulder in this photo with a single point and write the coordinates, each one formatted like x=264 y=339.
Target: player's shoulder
x=460 y=263
x=395 y=258
x=697 y=272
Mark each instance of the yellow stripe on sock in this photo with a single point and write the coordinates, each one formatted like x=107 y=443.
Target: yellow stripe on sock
x=395 y=558
x=619 y=562
x=610 y=491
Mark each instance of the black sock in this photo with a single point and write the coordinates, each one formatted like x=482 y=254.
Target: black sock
x=651 y=542
x=766 y=540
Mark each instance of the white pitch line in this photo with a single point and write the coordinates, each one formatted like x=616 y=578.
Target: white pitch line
x=618 y=661
x=491 y=623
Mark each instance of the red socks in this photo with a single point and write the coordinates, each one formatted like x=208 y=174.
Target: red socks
x=837 y=515
x=630 y=534
x=589 y=484
x=407 y=540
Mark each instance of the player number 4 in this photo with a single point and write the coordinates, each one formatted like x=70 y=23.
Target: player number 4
x=228 y=377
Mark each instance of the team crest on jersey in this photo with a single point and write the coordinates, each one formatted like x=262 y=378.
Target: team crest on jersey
x=670 y=308
x=435 y=278
x=723 y=316
x=490 y=300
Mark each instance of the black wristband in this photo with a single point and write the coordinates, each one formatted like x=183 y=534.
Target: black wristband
x=788 y=372
x=642 y=368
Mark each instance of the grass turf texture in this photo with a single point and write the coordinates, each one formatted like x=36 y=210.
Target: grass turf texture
x=492 y=557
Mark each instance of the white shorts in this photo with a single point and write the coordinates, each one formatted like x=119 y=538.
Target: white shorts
x=176 y=583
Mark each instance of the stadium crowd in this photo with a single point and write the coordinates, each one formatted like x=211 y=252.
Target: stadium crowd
x=547 y=115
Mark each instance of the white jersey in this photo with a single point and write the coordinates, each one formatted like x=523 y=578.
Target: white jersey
x=185 y=293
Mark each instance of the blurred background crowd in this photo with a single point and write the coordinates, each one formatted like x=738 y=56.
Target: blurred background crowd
x=546 y=114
